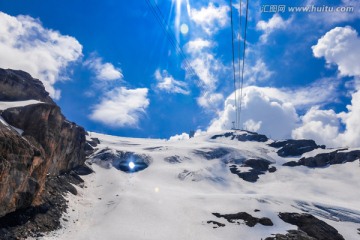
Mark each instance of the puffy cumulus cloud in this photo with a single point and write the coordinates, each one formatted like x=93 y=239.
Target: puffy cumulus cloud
x=25 y=44
x=103 y=71
x=324 y=125
x=340 y=46
x=179 y=137
x=121 y=107
x=261 y=112
x=211 y=18
x=315 y=121
x=167 y=83
x=197 y=45
x=273 y=24
x=186 y=136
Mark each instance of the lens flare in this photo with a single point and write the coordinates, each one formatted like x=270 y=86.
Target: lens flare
x=184 y=28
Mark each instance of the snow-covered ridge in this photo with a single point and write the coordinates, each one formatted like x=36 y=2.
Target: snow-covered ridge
x=188 y=181
x=6 y=105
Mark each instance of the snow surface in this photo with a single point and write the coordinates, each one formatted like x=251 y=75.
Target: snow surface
x=157 y=203
x=6 y=105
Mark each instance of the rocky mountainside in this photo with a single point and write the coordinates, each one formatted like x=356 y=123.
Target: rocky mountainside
x=36 y=141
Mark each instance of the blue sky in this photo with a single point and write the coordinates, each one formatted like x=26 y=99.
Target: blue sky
x=112 y=69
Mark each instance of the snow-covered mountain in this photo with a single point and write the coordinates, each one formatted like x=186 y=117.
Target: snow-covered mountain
x=228 y=185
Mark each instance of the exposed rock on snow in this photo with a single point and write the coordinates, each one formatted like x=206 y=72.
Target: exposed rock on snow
x=257 y=167
x=326 y=159
x=242 y=136
x=292 y=235
x=312 y=226
x=247 y=218
x=211 y=154
x=216 y=224
x=292 y=147
x=175 y=159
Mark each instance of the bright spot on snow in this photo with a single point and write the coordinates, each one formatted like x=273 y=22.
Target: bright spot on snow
x=156 y=189
x=131 y=165
x=184 y=28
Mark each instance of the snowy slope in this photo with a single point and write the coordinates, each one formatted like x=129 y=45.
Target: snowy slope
x=176 y=199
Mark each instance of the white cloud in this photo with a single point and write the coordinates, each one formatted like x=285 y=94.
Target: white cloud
x=334 y=17
x=320 y=92
x=273 y=24
x=210 y=100
x=316 y=121
x=179 y=137
x=206 y=67
x=211 y=18
x=25 y=44
x=257 y=73
x=260 y=111
x=121 y=107
x=324 y=125
x=167 y=83
x=197 y=45
x=340 y=46
x=273 y=111
x=103 y=71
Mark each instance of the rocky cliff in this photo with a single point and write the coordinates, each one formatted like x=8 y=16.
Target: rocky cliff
x=47 y=144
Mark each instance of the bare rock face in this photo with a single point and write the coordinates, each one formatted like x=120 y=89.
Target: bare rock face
x=62 y=142
x=49 y=144
x=312 y=226
x=290 y=147
x=16 y=85
x=326 y=159
x=21 y=167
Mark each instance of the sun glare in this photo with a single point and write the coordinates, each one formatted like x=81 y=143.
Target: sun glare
x=131 y=165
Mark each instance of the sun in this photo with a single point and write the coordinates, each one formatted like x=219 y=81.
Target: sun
x=131 y=165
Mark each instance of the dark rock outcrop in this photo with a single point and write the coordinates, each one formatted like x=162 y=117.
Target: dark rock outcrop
x=60 y=141
x=291 y=235
x=294 y=147
x=258 y=167
x=91 y=145
x=34 y=220
x=243 y=137
x=311 y=226
x=48 y=146
x=175 y=159
x=211 y=154
x=16 y=85
x=216 y=224
x=247 y=218
x=326 y=159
